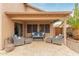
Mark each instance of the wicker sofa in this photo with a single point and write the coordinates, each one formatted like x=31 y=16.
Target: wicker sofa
x=19 y=40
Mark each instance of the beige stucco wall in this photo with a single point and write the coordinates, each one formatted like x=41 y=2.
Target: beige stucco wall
x=7 y=23
x=13 y=7
x=29 y=10
x=0 y=26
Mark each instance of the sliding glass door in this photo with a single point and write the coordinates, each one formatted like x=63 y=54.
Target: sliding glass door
x=18 y=29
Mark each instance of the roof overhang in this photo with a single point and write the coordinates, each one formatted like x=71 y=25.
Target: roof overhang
x=37 y=16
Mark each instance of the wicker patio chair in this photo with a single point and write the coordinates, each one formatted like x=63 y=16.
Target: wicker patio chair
x=18 y=40
x=58 y=39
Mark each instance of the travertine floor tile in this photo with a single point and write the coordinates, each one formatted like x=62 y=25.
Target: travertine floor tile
x=40 y=48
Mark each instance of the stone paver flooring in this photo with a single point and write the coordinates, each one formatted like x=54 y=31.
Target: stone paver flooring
x=40 y=48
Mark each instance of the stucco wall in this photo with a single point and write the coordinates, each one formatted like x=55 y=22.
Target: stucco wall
x=13 y=7
x=0 y=26
x=29 y=10
x=7 y=23
x=73 y=44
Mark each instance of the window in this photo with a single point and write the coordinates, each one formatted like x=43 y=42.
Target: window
x=34 y=29
x=29 y=28
x=41 y=28
x=47 y=28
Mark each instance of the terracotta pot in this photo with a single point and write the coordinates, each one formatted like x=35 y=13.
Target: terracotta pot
x=76 y=34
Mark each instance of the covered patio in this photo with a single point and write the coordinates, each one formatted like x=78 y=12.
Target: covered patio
x=39 y=17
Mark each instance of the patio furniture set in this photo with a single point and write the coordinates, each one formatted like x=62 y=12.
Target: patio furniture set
x=10 y=43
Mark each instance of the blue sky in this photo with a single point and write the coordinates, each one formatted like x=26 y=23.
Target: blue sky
x=54 y=6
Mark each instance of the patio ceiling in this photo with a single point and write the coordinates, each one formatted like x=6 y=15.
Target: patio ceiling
x=37 y=16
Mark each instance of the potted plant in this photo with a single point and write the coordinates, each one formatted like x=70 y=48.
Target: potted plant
x=74 y=22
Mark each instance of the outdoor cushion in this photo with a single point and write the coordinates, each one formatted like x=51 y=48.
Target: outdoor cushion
x=37 y=34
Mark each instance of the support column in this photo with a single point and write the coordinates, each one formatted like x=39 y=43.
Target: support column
x=23 y=29
x=38 y=28
x=25 y=33
x=51 y=30
x=64 y=31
